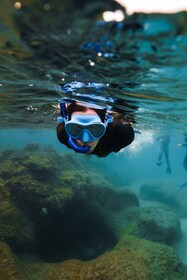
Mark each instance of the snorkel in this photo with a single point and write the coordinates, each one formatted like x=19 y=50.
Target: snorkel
x=71 y=141
x=79 y=149
x=86 y=128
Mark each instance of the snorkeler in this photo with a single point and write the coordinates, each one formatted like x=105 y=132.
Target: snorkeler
x=164 y=149
x=90 y=129
x=185 y=158
x=184 y=145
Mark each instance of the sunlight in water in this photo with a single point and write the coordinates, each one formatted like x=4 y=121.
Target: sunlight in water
x=113 y=16
x=141 y=141
x=152 y=6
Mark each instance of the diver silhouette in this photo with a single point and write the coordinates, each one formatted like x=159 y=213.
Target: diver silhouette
x=185 y=158
x=164 y=149
x=88 y=128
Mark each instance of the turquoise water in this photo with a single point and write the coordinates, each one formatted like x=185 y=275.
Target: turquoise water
x=136 y=67
x=136 y=163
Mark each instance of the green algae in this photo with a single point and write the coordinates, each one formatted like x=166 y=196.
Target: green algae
x=160 y=259
x=10 y=267
x=15 y=229
x=67 y=194
x=114 y=265
x=155 y=224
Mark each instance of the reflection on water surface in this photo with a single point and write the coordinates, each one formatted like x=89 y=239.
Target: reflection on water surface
x=136 y=66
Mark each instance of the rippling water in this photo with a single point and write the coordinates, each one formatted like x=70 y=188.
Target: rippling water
x=138 y=66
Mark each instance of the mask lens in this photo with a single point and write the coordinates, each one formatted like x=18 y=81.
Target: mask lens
x=95 y=130
x=74 y=129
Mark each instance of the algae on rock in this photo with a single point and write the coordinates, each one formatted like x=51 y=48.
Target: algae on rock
x=52 y=204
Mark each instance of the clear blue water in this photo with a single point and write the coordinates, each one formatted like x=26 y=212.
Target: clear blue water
x=142 y=71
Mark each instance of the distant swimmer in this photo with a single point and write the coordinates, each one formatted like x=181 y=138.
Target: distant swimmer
x=164 y=149
x=185 y=158
x=182 y=186
x=184 y=145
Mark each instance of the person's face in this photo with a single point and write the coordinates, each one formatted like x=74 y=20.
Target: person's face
x=94 y=143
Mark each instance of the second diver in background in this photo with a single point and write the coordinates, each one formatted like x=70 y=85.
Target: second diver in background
x=164 y=150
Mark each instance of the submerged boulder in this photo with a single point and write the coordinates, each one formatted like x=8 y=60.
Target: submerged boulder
x=66 y=213
x=71 y=213
x=34 y=178
x=161 y=261
x=131 y=259
x=155 y=224
x=115 y=200
x=172 y=196
x=158 y=192
x=10 y=267
x=113 y=265
x=15 y=228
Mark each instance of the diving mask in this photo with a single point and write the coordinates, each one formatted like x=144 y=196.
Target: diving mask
x=85 y=127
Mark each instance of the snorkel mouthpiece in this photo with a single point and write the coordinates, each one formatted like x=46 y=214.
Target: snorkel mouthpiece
x=79 y=149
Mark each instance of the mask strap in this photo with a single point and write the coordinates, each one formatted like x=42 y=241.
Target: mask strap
x=72 y=143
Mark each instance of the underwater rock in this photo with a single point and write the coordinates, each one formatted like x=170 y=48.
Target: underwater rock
x=74 y=215
x=10 y=267
x=131 y=259
x=31 y=147
x=115 y=265
x=114 y=204
x=58 y=197
x=35 y=178
x=161 y=261
x=156 y=193
x=175 y=198
x=15 y=229
x=81 y=232
x=32 y=180
x=115 y=200
x=155 y=224
x=41 y=179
